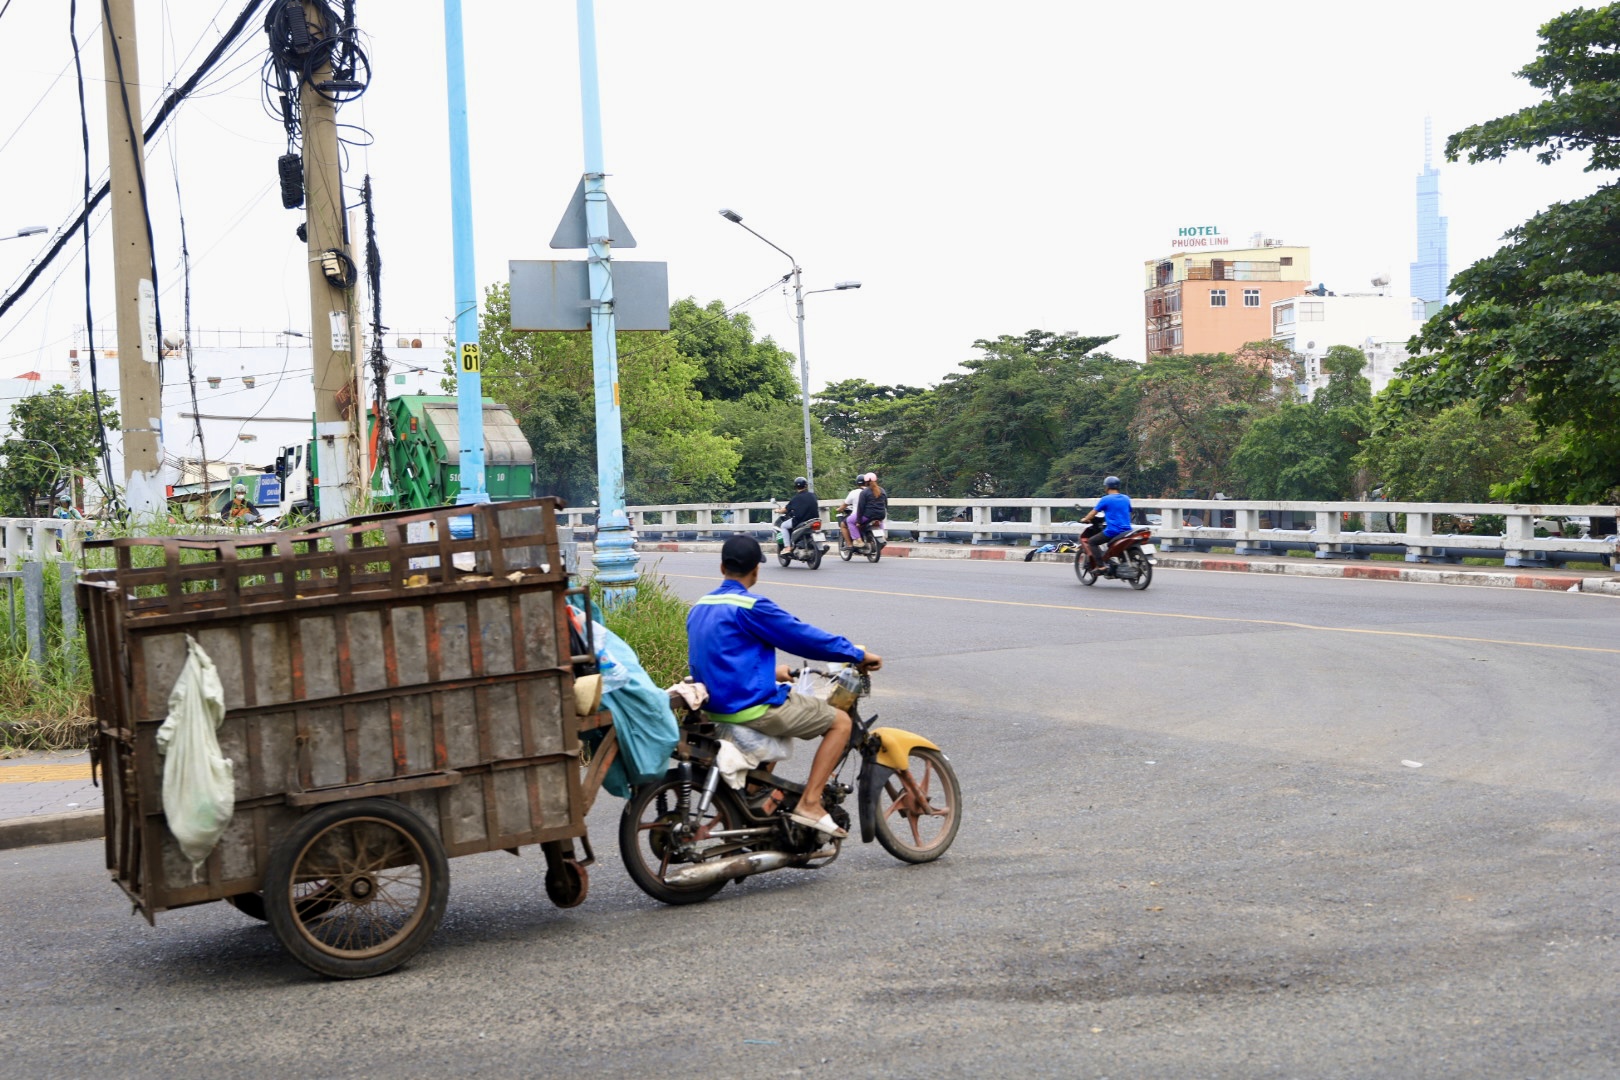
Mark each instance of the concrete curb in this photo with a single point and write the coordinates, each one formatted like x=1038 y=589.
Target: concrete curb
x=1550 y=580
x=51 y=829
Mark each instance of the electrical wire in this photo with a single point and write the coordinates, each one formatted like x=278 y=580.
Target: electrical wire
x=159 y=118
x=110 y=494
x=191 y=366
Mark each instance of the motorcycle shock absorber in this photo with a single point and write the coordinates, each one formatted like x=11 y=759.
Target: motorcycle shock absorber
x=710 y=783
x=683 y=795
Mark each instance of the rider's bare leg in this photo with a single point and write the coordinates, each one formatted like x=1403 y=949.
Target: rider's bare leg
x=822 y=766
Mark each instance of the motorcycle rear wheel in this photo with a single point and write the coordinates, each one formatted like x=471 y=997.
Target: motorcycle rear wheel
x=920 y=834
x=1086 y=574
x=1144 y=569
x=814 y=561
x=784 y=557
x=649 y=849
x=845 y=551
x=875 y=553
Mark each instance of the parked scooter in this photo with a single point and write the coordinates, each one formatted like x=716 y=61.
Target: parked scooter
x=808 y=546
x=684 y=836
x=1129 y=557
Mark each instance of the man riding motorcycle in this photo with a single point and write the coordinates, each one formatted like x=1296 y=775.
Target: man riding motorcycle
x=1116 y=511
x=733 y=636
x=800 y=509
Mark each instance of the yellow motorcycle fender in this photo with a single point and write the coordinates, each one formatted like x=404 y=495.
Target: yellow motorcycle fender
x=897 y=746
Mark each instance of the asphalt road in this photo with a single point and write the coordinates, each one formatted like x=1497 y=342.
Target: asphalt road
x=1232 y=826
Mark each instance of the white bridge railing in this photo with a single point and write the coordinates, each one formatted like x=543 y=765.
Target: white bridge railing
x=1328 y=530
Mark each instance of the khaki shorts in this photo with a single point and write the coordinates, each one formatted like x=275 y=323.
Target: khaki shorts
x=799 y=717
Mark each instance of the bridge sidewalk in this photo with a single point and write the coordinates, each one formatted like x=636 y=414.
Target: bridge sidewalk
x=1584 y=581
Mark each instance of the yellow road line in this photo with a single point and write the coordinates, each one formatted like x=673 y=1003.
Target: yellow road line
x=1193 y=618
x=16 y=774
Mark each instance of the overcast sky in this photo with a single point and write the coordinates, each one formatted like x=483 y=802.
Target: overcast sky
x=983 y=168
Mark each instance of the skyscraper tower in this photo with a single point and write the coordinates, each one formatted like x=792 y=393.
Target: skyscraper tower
x=1429 y=275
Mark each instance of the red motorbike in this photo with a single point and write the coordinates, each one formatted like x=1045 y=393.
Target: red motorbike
x=1129 y=557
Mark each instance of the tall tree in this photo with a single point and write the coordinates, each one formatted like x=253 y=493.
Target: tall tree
x=1192 y=411
x=1538 y=322
x=671 y=451
x=53 y=437
x=732 y=364
x=1455 y=455
x=1306 y=450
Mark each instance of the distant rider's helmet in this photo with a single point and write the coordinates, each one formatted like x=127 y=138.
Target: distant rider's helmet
x=241 y=489
x=800 y=483
x=1111 y=482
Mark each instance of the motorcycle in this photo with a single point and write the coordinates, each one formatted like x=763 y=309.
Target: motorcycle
x=684 y=836
x=877 y=538
x=808 y=546
x=1129 y=558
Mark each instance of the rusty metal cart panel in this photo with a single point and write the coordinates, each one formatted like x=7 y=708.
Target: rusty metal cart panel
x=378 y=657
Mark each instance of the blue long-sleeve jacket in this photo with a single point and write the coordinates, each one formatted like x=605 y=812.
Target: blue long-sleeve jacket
x=732 y=638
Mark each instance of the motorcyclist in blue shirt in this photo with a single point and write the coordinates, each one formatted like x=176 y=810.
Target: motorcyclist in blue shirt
x=1115 y=509
x=733 y=636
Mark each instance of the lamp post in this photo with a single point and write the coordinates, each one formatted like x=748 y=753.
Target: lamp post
x=804 y=364
x=26 y=230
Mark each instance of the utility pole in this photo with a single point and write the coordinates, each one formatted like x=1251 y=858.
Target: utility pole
x=140 y=386
x=469 y=369
x=614 y=554
x=332 y=277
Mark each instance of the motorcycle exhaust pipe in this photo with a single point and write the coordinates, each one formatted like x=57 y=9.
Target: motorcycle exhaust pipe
x=735 y=866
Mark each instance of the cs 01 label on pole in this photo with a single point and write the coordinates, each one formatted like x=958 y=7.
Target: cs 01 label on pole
x=469 y=358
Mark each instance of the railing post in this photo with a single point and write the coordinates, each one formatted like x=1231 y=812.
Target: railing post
x=1519 y=528
x=1247 y=541
x=1420 y=528
x=34 y=609
x=981 y=525
x=1330 y=537
x=67 y=574
x=927 y=514
x=1041 y=518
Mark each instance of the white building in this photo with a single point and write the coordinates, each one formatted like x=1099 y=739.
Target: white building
x=1378 y=324
x=255 y=393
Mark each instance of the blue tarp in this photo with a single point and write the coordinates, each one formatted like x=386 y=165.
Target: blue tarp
x=642 y=718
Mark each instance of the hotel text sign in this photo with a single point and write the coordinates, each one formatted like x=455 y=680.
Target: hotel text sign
x=1199 y=237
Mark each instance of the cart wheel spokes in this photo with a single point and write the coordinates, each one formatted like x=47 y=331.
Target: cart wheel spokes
x=357 y=888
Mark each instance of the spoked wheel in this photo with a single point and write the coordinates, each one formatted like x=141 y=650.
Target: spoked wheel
x=920 y=809
x=652 y=845
x=1086 y=574
x=845 y=550
x=356 y=888
x=1144 y=569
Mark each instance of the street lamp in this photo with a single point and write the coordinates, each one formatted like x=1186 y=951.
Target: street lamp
x=804 y=365
x=26 y=230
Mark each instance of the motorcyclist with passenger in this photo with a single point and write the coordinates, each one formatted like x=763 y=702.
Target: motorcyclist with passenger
x=733 y=636
x=801 y=508
x=1115 y=509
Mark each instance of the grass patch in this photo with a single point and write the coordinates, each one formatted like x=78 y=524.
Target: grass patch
x=47 y=706
x=653 y=624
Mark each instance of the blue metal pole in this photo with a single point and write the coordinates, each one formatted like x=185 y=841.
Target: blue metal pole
x=469 y=366
x=614 y=552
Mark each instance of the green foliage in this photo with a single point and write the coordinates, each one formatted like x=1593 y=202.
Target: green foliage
x=1538 y=322
x=1306 y=450
x=1193 y=411
x=733 y=365
x=49 y=706
x=54 y=438
x=671 y=451
x=769 y=434
x=1459 y=454
x=653 y=624
x=877 y=426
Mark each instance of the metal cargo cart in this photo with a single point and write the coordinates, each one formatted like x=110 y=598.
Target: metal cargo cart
x=394 y=695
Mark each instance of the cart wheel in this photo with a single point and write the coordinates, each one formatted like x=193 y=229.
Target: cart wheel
x=567 y=883
x=356 y=888
x=250 y=904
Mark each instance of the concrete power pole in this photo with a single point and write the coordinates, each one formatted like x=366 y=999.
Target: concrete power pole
x=140 y=386
x=334 y=327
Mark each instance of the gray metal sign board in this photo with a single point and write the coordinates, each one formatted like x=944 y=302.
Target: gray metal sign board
x=550 y=294
x=571 y=229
